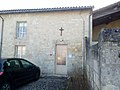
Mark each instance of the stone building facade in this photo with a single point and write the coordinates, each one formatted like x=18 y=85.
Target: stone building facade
x=34 y=34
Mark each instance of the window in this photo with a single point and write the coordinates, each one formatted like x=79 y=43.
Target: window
x=21 y=30
x=13 y=64
x=20 y=51
x=26 y=64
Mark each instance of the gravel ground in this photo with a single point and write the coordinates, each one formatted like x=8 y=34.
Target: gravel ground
x=47 y=83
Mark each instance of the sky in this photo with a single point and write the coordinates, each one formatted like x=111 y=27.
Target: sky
x=33 y=4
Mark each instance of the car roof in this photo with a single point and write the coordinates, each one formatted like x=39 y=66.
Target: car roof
x=7 y=59
x=10 y=58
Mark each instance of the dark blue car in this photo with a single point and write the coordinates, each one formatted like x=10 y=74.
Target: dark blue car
x=15 y=72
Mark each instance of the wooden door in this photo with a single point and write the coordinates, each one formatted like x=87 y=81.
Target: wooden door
x=61 y=59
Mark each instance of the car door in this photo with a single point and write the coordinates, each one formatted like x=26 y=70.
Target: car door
x=29 y=69
x=16 y=71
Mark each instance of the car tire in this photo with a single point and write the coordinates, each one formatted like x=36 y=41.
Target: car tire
x=6 y=86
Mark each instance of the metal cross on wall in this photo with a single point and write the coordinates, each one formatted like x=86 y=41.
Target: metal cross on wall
x=61 y=29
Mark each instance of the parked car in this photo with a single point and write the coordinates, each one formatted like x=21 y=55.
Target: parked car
x=16 y=71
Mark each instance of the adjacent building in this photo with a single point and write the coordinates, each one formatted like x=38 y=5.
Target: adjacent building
x=106 y=17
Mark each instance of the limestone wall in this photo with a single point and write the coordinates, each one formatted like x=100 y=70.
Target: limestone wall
x=109 y=59
x=93 y=68
x=110 y=66
x=105 y=69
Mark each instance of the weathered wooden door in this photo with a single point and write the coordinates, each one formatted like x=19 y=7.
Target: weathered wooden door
x=61 y=59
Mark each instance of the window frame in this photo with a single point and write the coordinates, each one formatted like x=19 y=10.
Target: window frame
x=21 y=34
x=22 y=52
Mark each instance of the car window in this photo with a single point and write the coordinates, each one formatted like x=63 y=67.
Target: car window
x=26 y=63
x=0 y=67
x=14 y=64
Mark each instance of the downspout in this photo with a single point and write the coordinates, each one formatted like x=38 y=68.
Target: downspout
x=89 y=45
x=83 y=43
x=90 y=29
x=1 y=36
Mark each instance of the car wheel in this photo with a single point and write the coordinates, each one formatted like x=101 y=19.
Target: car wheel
x=37 y=75
x=6 y=86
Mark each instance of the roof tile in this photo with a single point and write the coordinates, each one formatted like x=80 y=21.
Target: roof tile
x=44 y=9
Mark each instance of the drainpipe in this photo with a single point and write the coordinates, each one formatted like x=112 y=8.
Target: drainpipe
x=90 y=29
x=89 y=45
x=83 y=35
x=83 y=46
x=1 y=36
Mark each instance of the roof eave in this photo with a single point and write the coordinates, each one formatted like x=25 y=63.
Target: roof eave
x=45 y=10
x=105 y=14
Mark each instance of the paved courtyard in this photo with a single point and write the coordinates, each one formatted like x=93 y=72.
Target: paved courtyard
x=47 y=83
